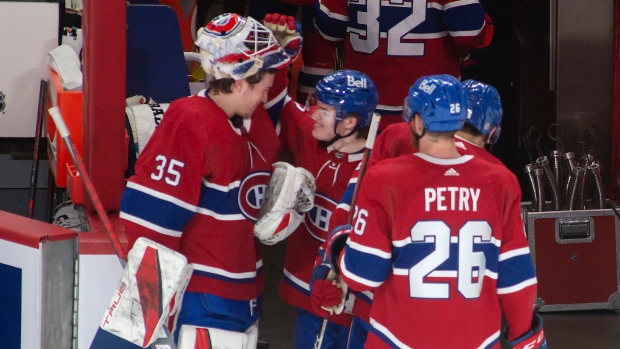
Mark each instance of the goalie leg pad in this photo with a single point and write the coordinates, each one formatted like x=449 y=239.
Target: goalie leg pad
x=152 y=285
x=290 y=192
x=193 y=337
x=143 y=120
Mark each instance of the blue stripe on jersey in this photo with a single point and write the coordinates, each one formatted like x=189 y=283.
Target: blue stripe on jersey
x=295 y=285
x=363 y=297
x=150 y=208
x=407 y=256
x=461 y=18
x=220 y=277
x=347 y=196
x=515 y=270
x=366 y=265
x=220 y=202
x=329 y=26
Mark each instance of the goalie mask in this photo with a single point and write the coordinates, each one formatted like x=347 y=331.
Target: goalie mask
x=484 y=108
x=232 y=46
x=439 y=100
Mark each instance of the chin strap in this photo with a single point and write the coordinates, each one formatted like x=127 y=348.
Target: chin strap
x=325 y=144
x=417 y=136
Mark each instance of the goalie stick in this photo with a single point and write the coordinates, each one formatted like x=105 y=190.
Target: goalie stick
x=37 y=145
x=162 y=343
x=370 y=142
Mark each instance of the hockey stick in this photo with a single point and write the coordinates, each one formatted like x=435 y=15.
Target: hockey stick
x=161 y=343
x=90 y=188
x=370 y=142
x=35 y=157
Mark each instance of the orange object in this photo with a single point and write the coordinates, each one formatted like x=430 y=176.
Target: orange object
x=70 y=105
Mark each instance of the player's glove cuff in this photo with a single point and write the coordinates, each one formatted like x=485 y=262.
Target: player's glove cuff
x=287 y=31
x=533 y=339
x=336 y=241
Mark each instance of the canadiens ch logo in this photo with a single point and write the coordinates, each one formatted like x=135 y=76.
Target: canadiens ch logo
x=2 y=102
x=252 y=194
x=317 y=219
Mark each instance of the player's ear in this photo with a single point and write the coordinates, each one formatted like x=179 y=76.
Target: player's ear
x=238 y=85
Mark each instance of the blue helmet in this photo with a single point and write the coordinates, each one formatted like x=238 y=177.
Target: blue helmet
x=349 y=91
x=440 y=102
x=484 y=108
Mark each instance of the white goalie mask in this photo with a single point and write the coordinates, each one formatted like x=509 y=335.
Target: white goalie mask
x=232 y=46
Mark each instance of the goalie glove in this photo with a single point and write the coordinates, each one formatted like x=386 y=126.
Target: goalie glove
x=287 y=31
x=533 y=339
x=142 y=120
x=289 y=194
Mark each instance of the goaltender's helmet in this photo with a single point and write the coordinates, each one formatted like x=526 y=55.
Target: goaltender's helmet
x=232 y=46
x=484 y=108
x=439 y=100
x=347 y=91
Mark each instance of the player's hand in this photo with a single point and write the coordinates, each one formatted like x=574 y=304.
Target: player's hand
x=287 y=31
x=325 y=294
x=533 y=339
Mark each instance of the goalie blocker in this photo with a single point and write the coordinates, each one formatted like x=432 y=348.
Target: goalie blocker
x=150 y=290
x=289 y=194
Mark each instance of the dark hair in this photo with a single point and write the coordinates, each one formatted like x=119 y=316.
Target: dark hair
x=225 y=85
x=471 y=130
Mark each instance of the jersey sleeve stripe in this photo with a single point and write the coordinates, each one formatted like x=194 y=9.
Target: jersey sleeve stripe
x=161 y=196
x=145 y=208
x=328 y=13
x=151 y=226
x=220 y=274
x=515 y=270
x=296 y=283
x=459 y=3
x=356 y=278
x=387 y=336
x=514 y=253
x=517 y=287
x=370 y=250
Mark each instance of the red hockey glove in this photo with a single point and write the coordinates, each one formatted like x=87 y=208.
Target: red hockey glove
x=287 y=31
x=325 y=295
x=533 y=339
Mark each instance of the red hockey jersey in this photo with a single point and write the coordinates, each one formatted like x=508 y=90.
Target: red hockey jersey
x=444 y=250
x=395 y=43
x=197 y=189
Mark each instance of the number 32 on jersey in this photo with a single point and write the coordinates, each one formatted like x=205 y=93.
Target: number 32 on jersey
x=366 y=39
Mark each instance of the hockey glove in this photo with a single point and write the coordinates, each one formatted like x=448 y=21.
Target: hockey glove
x=335 y=242
x=327 y=295
x=287 y=31
x=533 y=339
x=289 y=194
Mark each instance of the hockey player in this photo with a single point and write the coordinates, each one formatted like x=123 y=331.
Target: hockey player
x=199 y=182
x=397 y=42
x=482 y=125
x=449 y=240
x=327 y=138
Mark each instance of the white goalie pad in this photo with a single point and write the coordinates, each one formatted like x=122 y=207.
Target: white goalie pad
x=193 y=337
x=143 y=120
x=151 y=289
x=289 y=194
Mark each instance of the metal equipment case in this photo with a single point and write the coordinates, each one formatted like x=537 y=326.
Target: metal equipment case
x=577 y=256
